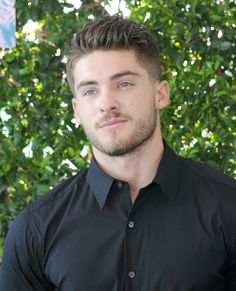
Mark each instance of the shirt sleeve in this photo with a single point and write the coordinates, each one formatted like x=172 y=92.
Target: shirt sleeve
x=231 y=275
x=21 y=267
x=231 y=271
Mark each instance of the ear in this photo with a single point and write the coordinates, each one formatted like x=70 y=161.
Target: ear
x=162 y=94
x=74 y=103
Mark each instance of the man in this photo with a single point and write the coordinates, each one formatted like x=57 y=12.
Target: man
x=140 y=218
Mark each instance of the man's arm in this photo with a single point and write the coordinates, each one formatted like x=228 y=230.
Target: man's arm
x=21 y=267
x=231 y=275
x=230 y=235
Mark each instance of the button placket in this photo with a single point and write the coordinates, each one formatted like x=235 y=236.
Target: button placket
x=129 y=254
x=131 y=273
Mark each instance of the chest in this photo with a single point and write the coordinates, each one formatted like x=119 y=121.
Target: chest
x=135 y=249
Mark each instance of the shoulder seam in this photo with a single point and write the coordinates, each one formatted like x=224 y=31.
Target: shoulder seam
x=52 y=199
x=184 y=162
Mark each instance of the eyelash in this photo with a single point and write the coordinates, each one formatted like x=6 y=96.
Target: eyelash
x=86 y=93
x=126 y=83
x=122 y=85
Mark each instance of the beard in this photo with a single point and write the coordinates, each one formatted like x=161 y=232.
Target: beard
x=143 y=131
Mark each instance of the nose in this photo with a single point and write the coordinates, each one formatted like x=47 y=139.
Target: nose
x=108 y=102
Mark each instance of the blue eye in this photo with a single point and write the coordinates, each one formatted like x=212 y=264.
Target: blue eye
x=90 y=92
x=125 y=84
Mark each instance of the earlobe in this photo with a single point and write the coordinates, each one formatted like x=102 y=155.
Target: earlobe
x=76 y=111
x=162 y=94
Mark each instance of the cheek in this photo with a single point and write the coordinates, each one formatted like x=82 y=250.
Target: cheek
x=86 y=116
x=141 y=101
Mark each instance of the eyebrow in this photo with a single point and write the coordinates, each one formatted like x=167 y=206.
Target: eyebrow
x=124 y=73
x=113 y=77
x=86 y=83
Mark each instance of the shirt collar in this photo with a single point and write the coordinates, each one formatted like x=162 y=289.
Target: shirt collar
x=167 y=176
x=100 y=183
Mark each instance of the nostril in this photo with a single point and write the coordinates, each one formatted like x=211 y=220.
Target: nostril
x=108 y=108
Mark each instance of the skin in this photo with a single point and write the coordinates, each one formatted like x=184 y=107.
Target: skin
x=117 y=102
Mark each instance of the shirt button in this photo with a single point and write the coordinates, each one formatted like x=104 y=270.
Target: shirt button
x=120 y=185
x=131 y=224
x=131 y=274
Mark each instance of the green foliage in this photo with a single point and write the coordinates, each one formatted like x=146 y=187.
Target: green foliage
x=199 y=123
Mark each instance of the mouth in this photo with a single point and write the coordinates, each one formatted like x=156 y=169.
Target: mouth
x=112 y=123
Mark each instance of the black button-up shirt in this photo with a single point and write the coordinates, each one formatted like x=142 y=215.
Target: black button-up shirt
x=85 y=234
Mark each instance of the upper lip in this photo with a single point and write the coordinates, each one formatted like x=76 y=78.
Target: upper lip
x=111 y=121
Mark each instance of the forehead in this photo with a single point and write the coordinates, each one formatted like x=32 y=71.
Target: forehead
x=104 y=63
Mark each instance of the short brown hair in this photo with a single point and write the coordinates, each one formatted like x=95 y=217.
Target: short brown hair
x=114 y=33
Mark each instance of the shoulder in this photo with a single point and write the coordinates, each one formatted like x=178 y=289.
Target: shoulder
x=59 y=193
x=213 y=195
x=204 y=173
x=39 y=214
x=31 y=233
x=207 y=186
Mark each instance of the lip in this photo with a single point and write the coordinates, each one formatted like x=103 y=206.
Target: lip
x=112 y=123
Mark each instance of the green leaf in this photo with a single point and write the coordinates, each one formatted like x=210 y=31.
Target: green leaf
x=225 y=45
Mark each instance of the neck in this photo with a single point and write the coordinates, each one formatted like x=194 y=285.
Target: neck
x=137 y=168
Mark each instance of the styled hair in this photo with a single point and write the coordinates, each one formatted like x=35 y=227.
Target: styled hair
x=116 y=33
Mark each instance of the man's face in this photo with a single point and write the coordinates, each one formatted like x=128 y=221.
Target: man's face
x=116 y=101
